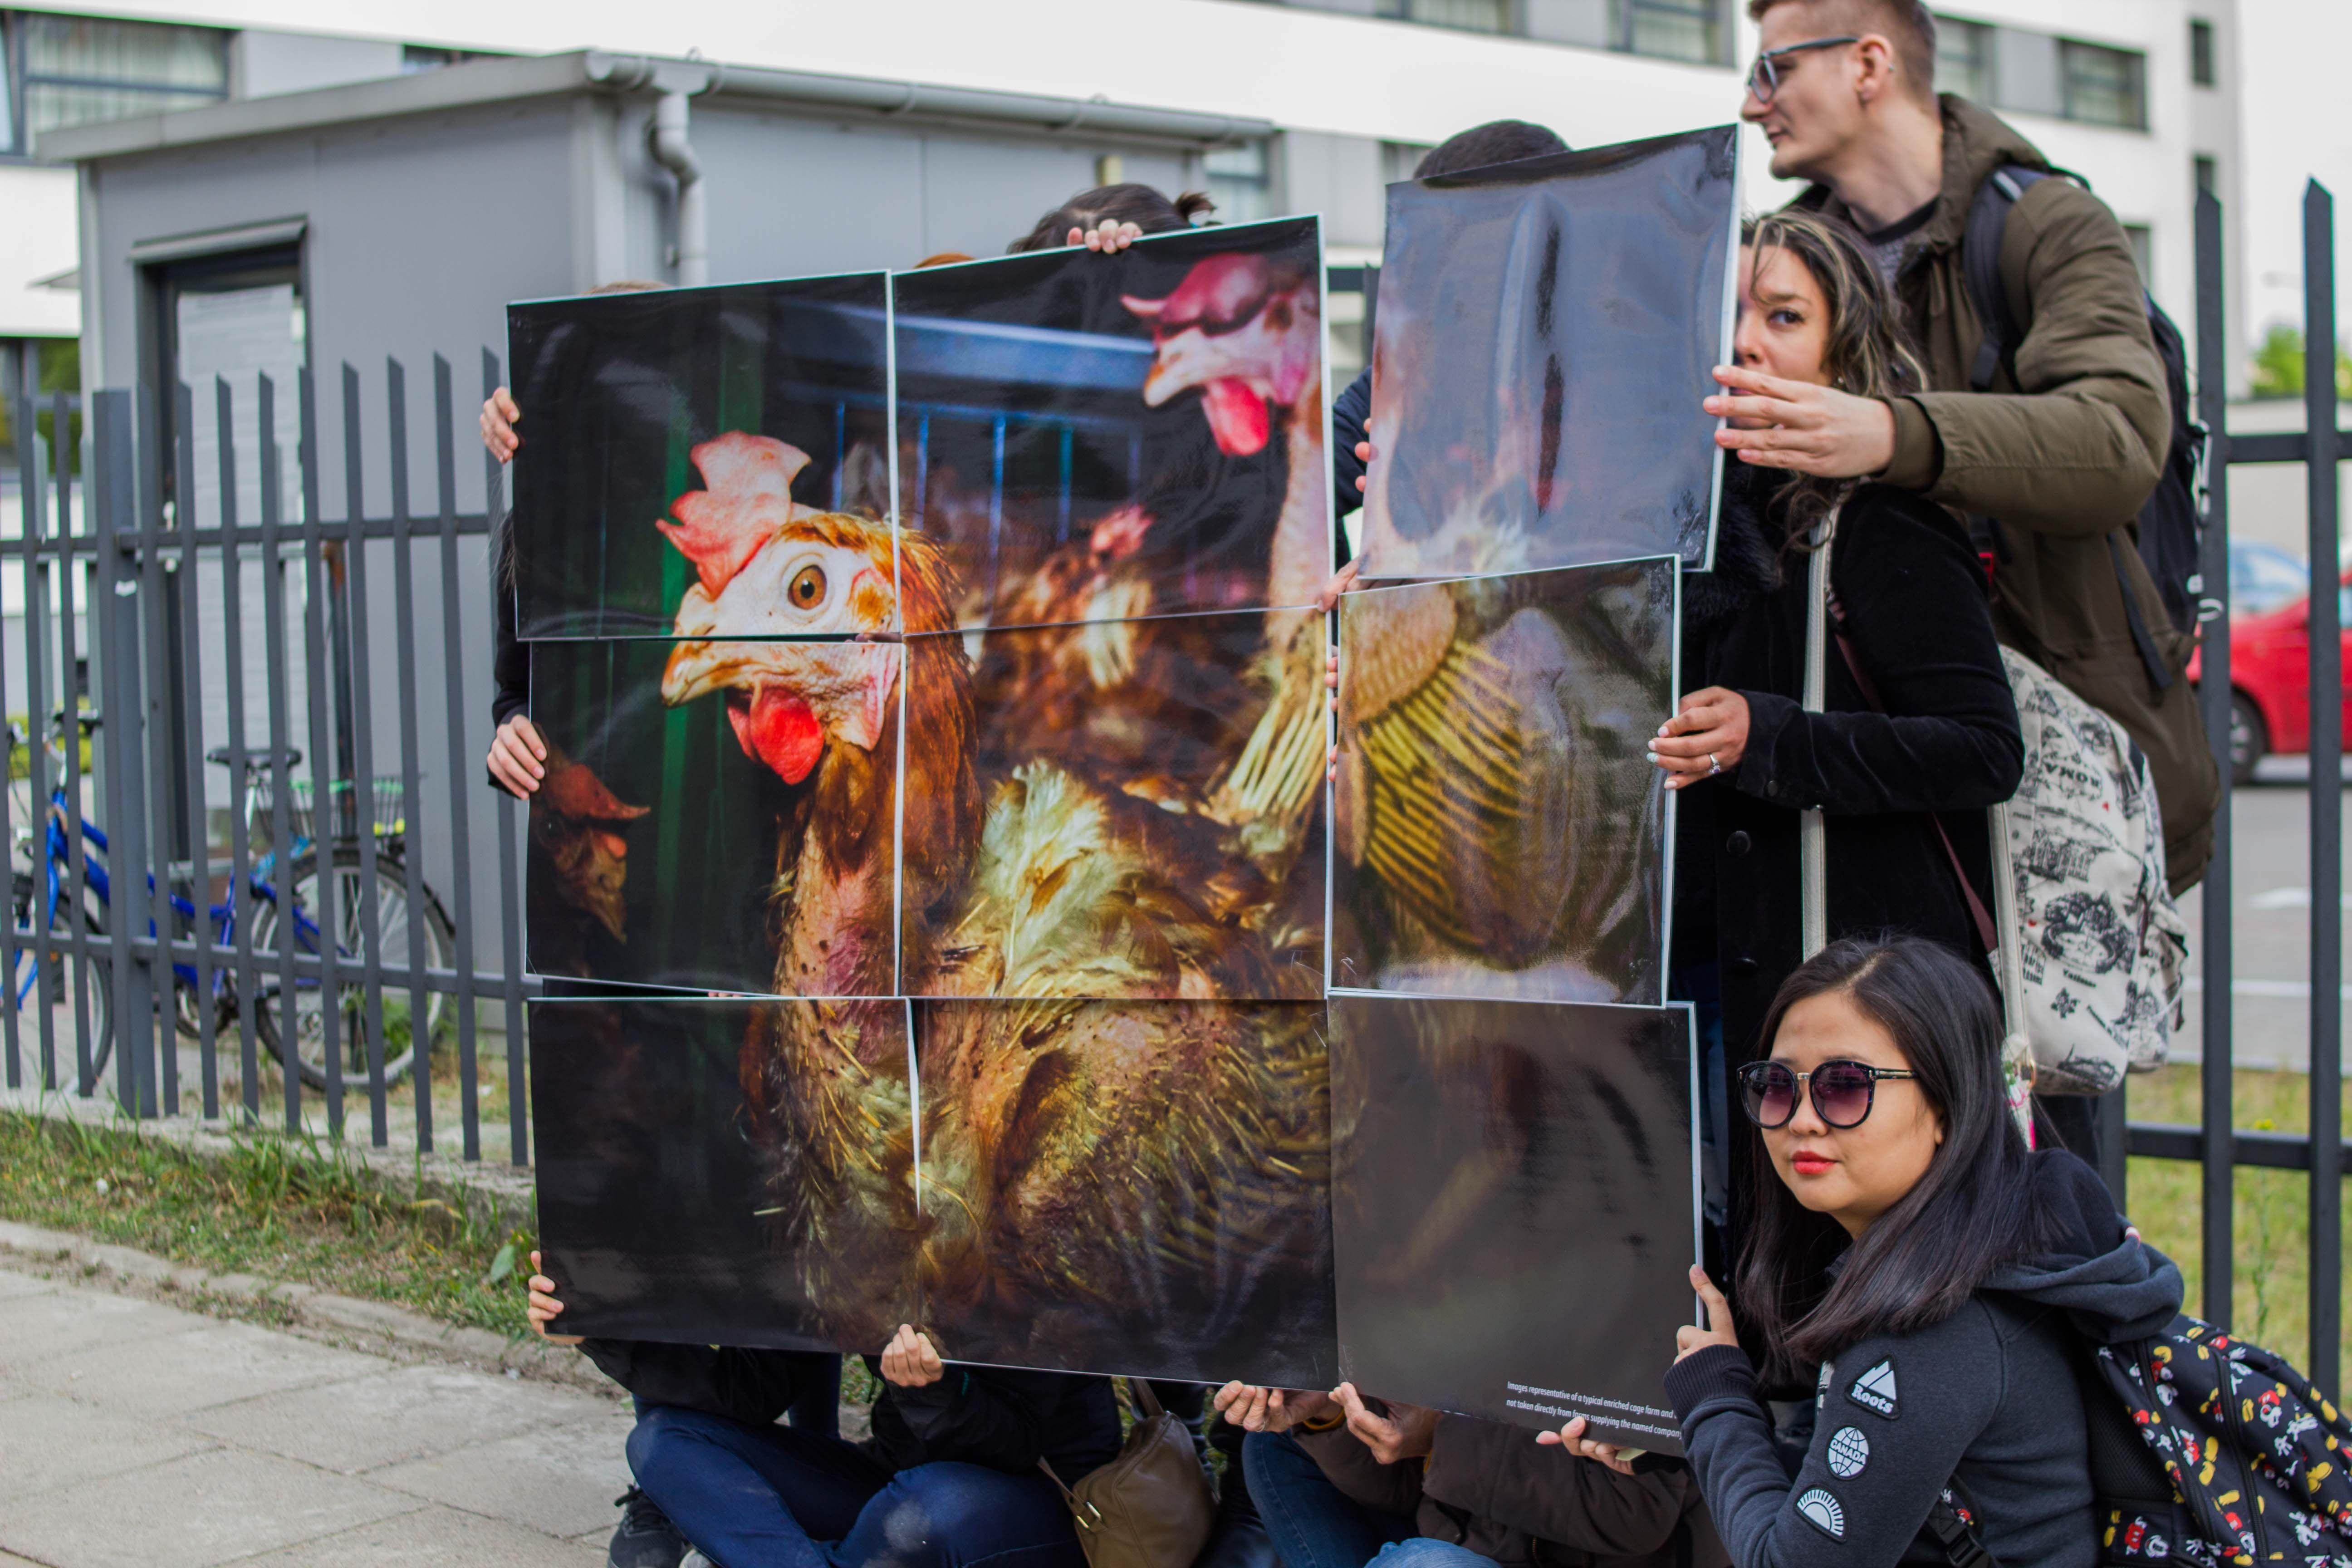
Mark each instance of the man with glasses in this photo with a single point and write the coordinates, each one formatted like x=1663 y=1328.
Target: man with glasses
x=2056 y=459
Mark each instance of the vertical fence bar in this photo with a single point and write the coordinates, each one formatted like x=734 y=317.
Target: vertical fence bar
x=361 y=710
x=143 y=618
x=2326 y=789
x=326 y=819
x=37 y=708
x=461 y=848
x=28 y=503
x=240 y=839
x=189 y=692
x=114 y=638
x=420 y=1016
x=73 y=911
x=507 y=806
x=281 y=836
x=2220 y=1150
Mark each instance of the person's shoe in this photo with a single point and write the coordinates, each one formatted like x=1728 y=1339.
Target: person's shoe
x=646 y=1539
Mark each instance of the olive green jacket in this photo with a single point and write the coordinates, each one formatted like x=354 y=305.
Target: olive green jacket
x=2063 y=455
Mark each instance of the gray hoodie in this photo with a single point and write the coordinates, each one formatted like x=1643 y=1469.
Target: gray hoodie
x=1988 y=1396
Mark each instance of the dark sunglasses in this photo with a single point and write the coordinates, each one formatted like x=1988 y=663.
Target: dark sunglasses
x=1842 y=1091
x=1764 y=76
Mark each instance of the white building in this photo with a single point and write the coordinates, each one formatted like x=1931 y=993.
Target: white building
x=2138 y=96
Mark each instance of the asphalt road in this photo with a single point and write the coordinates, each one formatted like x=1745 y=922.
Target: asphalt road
x=2271 y=911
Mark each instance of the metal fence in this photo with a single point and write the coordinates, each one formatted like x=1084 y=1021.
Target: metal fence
x=111 y=566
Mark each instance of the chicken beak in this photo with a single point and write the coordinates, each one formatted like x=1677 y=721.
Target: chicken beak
x=795 y=696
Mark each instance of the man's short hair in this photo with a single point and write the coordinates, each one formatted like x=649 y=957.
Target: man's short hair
x=1906 y=23
x=1496 y=142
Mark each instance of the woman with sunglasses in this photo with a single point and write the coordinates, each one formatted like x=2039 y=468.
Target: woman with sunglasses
x=1931 y=1280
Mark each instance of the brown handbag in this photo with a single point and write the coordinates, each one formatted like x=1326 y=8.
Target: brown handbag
x=1149 y=1507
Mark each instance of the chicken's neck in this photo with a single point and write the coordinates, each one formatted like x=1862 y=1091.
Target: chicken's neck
x=836 y=880
x=1300 y=558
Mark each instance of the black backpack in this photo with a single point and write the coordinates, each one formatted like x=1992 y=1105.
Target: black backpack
x=2203 y=1448
x=2171 y=525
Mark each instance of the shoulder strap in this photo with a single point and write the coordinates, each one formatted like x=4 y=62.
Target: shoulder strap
x=1812 y=834
x=1981 y=268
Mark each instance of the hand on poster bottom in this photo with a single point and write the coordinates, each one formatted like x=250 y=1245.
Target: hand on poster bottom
x=1403 y=1432
x=498 y=416
x=1690 y=1339
x=544 y=1308
x=1799 y=426
x=518 y=756
x=910 y=1359
x=1708 y=736
x=1572 y=1437
x=1255 y=1409
x=1111 y=237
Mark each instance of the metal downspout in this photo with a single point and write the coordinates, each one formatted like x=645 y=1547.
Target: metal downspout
x=673 y=151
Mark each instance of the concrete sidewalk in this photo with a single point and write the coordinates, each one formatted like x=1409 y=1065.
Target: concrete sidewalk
x=138 y=1435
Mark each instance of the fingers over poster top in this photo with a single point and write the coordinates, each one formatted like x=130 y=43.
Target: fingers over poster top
x=1546 y=331
x=699 y=457
x=1515 y=1207
x=1093 y=437
x=1129 y=1187
x=1129 y=809
x=728 y=1170
x=717 y=816
x=1499 y=828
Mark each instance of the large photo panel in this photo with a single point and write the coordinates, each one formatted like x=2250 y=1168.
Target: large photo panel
x=686 y=451
x=1514 y=1207
x=1138 y=1188
x=1544 y=332
x=1499 y=828
x=1097 y=436
x=726 y=1171
x=717 y=816
x=1136 y=809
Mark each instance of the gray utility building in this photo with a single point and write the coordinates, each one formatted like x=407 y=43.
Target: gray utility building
x=395 y=218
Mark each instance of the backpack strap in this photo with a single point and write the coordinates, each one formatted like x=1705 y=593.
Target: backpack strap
x=1952 y=1526
x=1981 y=243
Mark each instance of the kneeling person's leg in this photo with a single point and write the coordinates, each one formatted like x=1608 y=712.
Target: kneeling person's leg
x=1424 y=1552
x=1314 y=1524
x=952 y=1515
x=750 y=1495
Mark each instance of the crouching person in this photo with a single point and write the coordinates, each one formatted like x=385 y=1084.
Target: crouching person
x=1342 y=1480
x=950 y=1477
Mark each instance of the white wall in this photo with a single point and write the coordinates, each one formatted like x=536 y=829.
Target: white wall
x=37 y=241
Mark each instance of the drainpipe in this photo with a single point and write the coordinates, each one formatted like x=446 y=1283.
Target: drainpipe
x=673 y=151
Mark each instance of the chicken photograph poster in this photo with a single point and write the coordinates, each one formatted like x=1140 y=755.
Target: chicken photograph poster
x=937 y=857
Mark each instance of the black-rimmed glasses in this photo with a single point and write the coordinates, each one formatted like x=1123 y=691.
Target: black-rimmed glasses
x=1842 y=1091
x=1764 y=76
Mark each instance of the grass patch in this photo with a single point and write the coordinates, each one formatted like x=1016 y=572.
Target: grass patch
x=299 y=1211
x=2271 y=1226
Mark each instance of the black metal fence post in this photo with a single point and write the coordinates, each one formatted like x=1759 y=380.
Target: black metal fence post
x=116 y=641
x=2217 y=1231
x=2326 y=1083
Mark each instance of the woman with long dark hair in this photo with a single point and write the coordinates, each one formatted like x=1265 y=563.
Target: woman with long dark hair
x=1932 y=1280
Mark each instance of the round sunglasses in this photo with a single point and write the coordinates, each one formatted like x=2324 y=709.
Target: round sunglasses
x=1764 y=76
x=1842 y=1091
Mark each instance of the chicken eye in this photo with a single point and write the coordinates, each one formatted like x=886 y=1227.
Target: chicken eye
x=808 y=590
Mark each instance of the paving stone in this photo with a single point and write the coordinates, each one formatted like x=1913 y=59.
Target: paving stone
x=560 y=1480
x=33 y=1328
x=56 y=1442
x=435 y=1537
x=194 y=1513
x=207 y=1365
x=414 y=1412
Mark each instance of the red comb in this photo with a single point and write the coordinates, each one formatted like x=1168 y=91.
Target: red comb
x=748 y=496
x=1221 y=290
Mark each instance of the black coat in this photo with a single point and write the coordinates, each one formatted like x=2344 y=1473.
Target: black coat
x=1913 y=598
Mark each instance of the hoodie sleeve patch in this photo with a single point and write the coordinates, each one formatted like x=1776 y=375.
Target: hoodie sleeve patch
x=1875 y=1390
x=1824 y=1512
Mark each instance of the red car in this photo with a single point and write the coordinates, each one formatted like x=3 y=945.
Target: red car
x=2270 y=681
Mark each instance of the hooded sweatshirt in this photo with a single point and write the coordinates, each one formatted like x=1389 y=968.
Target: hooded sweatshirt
x=1987 y=1397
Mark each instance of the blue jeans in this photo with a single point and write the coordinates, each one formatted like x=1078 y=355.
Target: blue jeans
x=769 y=1497
x=1313 y=1524
x=1422 y=1552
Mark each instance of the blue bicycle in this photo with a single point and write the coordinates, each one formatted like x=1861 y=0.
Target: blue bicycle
x=272 y=888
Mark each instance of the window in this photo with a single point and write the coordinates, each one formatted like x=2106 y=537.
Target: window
x=1964 y=58
x=1399 y=159
x=2143 y=248
x=1472 y=16
x=1669 y=29
x=1240 y=181
x=2200 y=52
x=37 y=366
x=2102 y=86
x=76 y=69
x=7 y=93
x=2207 y=173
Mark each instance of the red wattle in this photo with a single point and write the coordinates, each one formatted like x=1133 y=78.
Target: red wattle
x=779 y=730
x=1237 y=417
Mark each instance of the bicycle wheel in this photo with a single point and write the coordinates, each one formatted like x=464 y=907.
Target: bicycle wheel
x=95 y=1000
x=389 y=896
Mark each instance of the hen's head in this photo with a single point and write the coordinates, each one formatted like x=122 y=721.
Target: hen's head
x=767 y=567
x=1245 y=330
